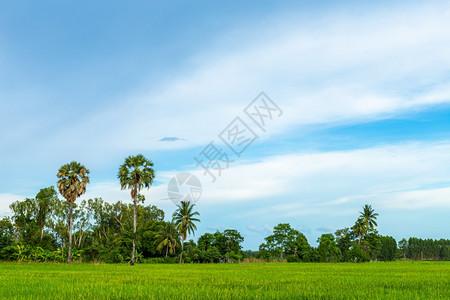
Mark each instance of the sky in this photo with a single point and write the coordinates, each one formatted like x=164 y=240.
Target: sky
x=359 y=93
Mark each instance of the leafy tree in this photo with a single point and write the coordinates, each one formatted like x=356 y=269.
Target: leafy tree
x=46 y=200
x=233 y=240
x=344 y=241
x=403 y=246
x=212 y=255
x=328 y=250
x=136 y=173
x=73 y=178
x=285 y=240
x=184 y=218
x=388 y=248
x=205 y=241
x=24 y=219
x=168 y=238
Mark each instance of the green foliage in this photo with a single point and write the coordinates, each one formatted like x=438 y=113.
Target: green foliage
x=184 y=219
x=388 y=248
x=284 y=241
x=328 y=250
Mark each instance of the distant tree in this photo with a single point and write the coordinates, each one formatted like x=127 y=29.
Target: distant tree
x=285 y=240
x=24 y=220
x=388 y=248
x=359 y=228
x=184 y=218
x=328 y=250
x=73 y=178
x=369 y=217
x=46 y=199
x=344 y=241
x=136 y=173
x=167 y=237
x=205 y=241
x=403 y=245
x=233 y=240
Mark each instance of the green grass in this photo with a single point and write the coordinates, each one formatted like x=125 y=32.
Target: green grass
x=400 y=280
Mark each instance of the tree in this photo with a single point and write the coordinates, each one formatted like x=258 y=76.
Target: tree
x=136 y=173
x=344 y=241
x=388 y=248
x=233 y=240
x=359 y=229
x=403 y=245
x=184 y=218
x=285 y=240
x=45 y=199
x=369 y=217
x=328 y=250
x=167 y=237
x=73 y=178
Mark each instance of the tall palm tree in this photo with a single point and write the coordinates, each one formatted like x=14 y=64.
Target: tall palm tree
x=73 y=178
x=136 y=173
x=167 y=237
x=369 y=216
x=184 y=220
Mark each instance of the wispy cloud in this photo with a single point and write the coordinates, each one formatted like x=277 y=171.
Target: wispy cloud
x=171 y=139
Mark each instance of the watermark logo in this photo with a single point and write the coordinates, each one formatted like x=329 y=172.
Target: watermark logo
x=184 y=187
x=237 y=136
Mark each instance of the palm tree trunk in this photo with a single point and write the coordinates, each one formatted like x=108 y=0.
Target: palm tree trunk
x=167 y=250
x=69 y=257
x=42 y=232
x=182 y=247
x=133 y=255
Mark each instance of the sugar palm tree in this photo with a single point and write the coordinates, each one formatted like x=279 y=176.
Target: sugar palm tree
x=73 y=178
x=184 y=218
x=168 y=237
x=369 y=216
x=136 y=173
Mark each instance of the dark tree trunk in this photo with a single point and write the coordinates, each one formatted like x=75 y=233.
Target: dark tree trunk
x=182 y=247
x=69 y=257
x=133 y=255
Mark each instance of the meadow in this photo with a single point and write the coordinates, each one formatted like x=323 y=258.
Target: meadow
x=399 y=280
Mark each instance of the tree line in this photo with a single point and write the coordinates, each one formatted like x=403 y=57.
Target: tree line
x=358 y=243
x=45 y=228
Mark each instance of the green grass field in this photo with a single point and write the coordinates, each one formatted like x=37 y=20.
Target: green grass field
x=401 y=280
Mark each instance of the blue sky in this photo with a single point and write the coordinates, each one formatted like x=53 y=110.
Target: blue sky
x=364 y=89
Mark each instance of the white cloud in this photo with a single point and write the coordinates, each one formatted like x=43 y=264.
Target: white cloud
x=390 y=177
x=338 y=68
x=5 y=202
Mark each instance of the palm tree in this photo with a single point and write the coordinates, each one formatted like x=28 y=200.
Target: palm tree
x=184 y=220
x=72 y=182
x=359 y=228
x=369 y=216
x=168 y=237
x=136 y=173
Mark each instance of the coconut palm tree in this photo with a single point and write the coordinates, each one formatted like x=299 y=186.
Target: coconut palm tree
x=184 y=220
x=73 y=178
x=136 y=173
x=369 y=216
x=168 y=237
x=359 y=228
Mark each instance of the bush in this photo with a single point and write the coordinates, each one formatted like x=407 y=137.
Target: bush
x=292 y=258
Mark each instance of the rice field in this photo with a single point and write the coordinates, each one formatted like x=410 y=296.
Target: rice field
x=397 y=280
